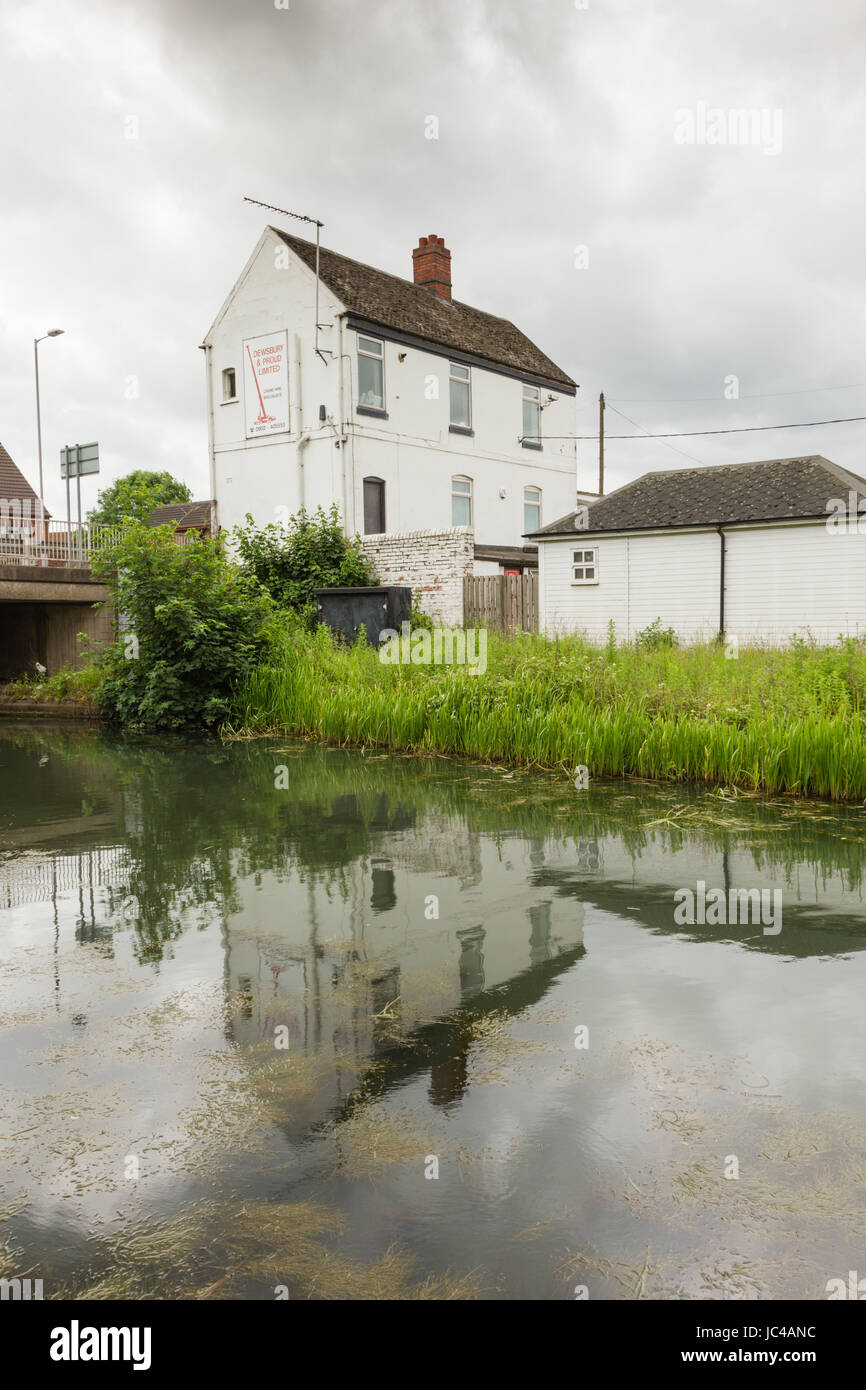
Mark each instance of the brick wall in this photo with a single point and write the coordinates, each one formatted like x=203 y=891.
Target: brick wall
x=432 y=563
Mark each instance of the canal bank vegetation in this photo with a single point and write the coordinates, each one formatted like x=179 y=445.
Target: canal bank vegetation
x=773 y=720
x=63 y=685
x=230 y=645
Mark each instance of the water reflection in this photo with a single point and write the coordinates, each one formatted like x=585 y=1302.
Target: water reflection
x=387 y=933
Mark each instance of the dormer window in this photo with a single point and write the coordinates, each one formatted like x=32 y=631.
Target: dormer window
x=371 y=374
x=230 y=390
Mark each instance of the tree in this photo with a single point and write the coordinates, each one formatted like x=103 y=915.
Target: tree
x=135 y=496
x=193 y=626
x=291 y=562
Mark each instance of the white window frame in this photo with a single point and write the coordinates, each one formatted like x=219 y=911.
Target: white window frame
x=532 y=395
x=536 y=491
x=233 y=397
x=377 y=357
x=464 y=496
x=460 y=381
x=589 y=561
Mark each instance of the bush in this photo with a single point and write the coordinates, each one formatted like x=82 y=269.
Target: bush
x=193 y=626
x=654 y=637
x=291 y=562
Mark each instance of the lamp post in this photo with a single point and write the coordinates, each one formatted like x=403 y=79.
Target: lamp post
x=52 y=333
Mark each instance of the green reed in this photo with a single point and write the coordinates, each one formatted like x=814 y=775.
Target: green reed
x=775 y=720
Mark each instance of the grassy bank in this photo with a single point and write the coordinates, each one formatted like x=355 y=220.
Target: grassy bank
x=772 y=720
x=63 y=685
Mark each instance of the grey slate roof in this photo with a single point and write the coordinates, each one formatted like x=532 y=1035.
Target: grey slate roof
x=182 y=514
x=14 y=487
x=399 y=304
x=772 y=490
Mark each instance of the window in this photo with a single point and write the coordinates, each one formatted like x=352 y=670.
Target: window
x=374 y=507
x=584 y=566
x=371 y=374
x=460 y=390
x=531 y=508
x=229 y=384
x=461 y=501
x=532 y=417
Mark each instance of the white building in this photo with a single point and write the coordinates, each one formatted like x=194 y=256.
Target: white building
x=408 y=409
x=756 y=551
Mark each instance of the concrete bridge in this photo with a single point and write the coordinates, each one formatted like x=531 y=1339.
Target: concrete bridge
x=43 y=608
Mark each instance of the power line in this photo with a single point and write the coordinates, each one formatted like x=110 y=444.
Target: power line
x=742 y=429
x=681 y=452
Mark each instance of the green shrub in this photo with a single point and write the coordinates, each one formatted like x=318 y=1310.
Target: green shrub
x=655 y=636
x=193 y=626
x=291 y=562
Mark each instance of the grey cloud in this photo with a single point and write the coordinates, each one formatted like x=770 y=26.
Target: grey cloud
x=556 y=131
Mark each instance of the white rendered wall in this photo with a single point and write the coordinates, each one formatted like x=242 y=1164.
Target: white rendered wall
x=412 y=450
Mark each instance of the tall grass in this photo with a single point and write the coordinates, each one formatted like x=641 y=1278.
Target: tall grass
x=786 y=720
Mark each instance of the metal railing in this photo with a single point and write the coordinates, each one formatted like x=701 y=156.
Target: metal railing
x=59 y=543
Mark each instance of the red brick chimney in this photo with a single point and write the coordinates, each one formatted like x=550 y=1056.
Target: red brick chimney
x=431 y=262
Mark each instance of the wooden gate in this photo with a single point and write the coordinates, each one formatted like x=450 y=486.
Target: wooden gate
x=501 y=602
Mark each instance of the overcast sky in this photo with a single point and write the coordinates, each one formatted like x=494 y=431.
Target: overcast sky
x=132 y=132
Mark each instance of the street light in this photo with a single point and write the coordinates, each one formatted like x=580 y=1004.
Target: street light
x=52 y=333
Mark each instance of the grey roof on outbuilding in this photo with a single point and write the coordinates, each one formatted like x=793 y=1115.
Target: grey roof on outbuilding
x=771 y=490
x=184 y=515
x=403 y=306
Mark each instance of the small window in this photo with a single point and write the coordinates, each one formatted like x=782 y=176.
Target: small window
x=531 y=508
x=229 y=384
x=371 y=373
x=461 y=501
x=584 y=566
x=460 y=389
x=532 y=414
x=374 y=507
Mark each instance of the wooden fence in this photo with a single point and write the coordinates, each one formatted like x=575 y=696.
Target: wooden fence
x=501 y=602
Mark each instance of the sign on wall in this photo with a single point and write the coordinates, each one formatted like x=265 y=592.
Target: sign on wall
x=266 y=384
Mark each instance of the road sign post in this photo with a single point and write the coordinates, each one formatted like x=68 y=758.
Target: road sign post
x=76 y=459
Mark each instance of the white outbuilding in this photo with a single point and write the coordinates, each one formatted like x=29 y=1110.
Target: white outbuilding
x=759 y=552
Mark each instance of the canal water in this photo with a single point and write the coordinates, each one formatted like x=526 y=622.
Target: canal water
x=284 y=1021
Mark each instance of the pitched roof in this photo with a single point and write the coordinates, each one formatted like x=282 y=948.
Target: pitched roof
x=771 y=490
x=402 y=305
x=188 y=514
x=14 y=487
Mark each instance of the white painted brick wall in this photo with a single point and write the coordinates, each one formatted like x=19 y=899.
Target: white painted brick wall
x=432 y=563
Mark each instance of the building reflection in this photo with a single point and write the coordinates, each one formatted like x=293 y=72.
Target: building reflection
x=431 y=920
